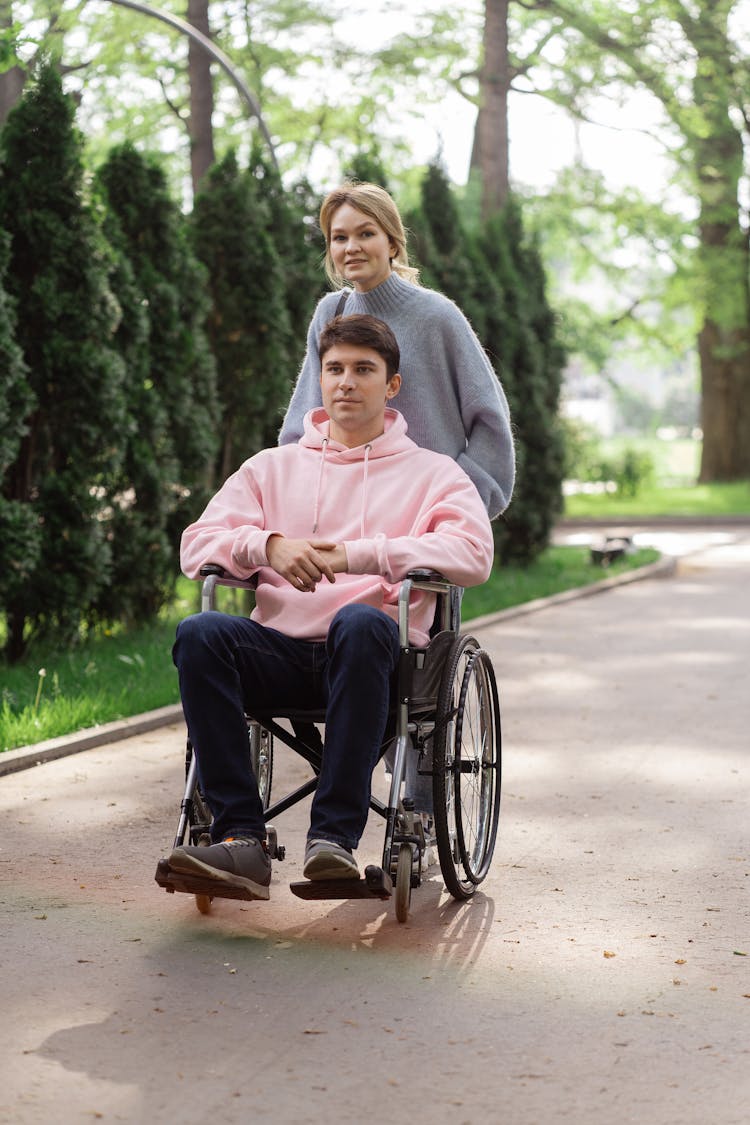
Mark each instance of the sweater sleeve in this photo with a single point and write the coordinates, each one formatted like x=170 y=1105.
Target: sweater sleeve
x=452 y=535
x=489 y=457
x=306 y=394
x=231 y=532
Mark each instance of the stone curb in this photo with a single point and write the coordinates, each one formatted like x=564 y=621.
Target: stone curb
x=27 y=756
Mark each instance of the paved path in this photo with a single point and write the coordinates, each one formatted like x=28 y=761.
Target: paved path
x=602 y=975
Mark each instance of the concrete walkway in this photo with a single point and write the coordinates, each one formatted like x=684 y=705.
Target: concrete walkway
x=600 y=976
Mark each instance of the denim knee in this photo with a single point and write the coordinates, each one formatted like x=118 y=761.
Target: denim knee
x=364 y=628
x=201 y=634
x=361 y=620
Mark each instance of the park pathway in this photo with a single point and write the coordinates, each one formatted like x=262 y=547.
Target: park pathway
x=601 y=975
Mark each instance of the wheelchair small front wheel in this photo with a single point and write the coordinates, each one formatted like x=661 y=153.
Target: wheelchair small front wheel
x=466 y=768
x=203 y=902
x=403 y=882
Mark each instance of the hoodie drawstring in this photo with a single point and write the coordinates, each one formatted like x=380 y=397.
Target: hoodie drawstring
x=319 y=487
x=368 y=447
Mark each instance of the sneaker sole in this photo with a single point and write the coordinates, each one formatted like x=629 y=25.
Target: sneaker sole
x=188 y=865
x=327 y=867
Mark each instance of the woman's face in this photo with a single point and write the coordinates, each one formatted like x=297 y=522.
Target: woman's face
x=360 y=248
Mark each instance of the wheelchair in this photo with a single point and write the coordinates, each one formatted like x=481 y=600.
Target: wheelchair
x=445 y=717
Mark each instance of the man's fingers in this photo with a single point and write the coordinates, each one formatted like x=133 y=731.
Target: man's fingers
x=326 y=569
x=302 y=562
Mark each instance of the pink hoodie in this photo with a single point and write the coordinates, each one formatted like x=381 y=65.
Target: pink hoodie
x=393 y=505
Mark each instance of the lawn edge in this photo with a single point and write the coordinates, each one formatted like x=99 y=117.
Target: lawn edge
x=87 y=739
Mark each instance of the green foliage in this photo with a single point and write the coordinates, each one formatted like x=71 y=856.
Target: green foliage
x=629 y=469
x=181 y=379
x=20 y=538
x=65 y=320
x=532 y=352
x=142 y=496
x=298 y=244
x=366 y=166
x=248 y=323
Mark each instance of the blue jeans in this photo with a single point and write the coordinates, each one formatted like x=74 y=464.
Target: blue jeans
x=229 y=666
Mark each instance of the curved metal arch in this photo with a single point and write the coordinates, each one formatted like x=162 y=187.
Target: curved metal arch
x=192 y=32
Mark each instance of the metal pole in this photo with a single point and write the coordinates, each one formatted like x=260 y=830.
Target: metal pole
x=187 y=29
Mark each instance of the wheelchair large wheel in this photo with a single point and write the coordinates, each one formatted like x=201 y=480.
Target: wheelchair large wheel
x=199 y=814
x=261 y=758
x=466 y=767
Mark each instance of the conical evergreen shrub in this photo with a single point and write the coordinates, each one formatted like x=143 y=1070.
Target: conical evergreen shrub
x=181 y=378
x=248 y=321
x=66 y=316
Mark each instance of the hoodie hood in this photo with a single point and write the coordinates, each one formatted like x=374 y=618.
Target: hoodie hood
x=392 y=441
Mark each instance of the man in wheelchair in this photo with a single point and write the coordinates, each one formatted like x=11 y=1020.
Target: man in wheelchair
x=328 y=527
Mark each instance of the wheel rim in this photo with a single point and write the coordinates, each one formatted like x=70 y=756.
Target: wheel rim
x=476 y=767
x=466 y=768
x=261 y=759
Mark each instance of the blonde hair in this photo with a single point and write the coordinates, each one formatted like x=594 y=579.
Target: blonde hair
x=375 y=202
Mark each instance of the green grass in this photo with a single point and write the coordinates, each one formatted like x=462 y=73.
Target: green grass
x=698 y=500
x=673 y=492
x=557 y=569
x=113 y=675
x=110 y=675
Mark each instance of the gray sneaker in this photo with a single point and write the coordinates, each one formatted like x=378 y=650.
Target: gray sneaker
x=324 y=860
x=239 y=860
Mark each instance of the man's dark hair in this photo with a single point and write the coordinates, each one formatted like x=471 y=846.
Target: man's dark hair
x=365 y=331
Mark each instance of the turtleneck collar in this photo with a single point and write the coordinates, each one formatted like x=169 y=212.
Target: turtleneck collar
x=388 y=297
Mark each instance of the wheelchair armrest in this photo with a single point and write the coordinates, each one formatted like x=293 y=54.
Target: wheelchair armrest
x=214 y=575
x=212 y=568
x=421 y=574
x=448 y=614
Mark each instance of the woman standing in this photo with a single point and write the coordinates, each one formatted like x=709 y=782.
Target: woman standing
x=450 y=396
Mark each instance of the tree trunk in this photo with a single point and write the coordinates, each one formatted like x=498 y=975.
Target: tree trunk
x=490 y=152
x=724 y=338
x=201 y=96
x=12 y=80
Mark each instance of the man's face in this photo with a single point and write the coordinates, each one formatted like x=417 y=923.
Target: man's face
x=355 y=390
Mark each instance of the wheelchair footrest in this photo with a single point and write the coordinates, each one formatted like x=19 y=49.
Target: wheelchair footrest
x=376 y=884
x=197 y=885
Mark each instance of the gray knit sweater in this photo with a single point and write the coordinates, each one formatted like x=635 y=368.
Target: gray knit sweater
x=450 y=396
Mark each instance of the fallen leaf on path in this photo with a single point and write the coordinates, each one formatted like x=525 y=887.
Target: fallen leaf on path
x=680 y=961
x=609 y=953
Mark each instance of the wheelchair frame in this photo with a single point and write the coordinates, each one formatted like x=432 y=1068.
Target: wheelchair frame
x=452 y=722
